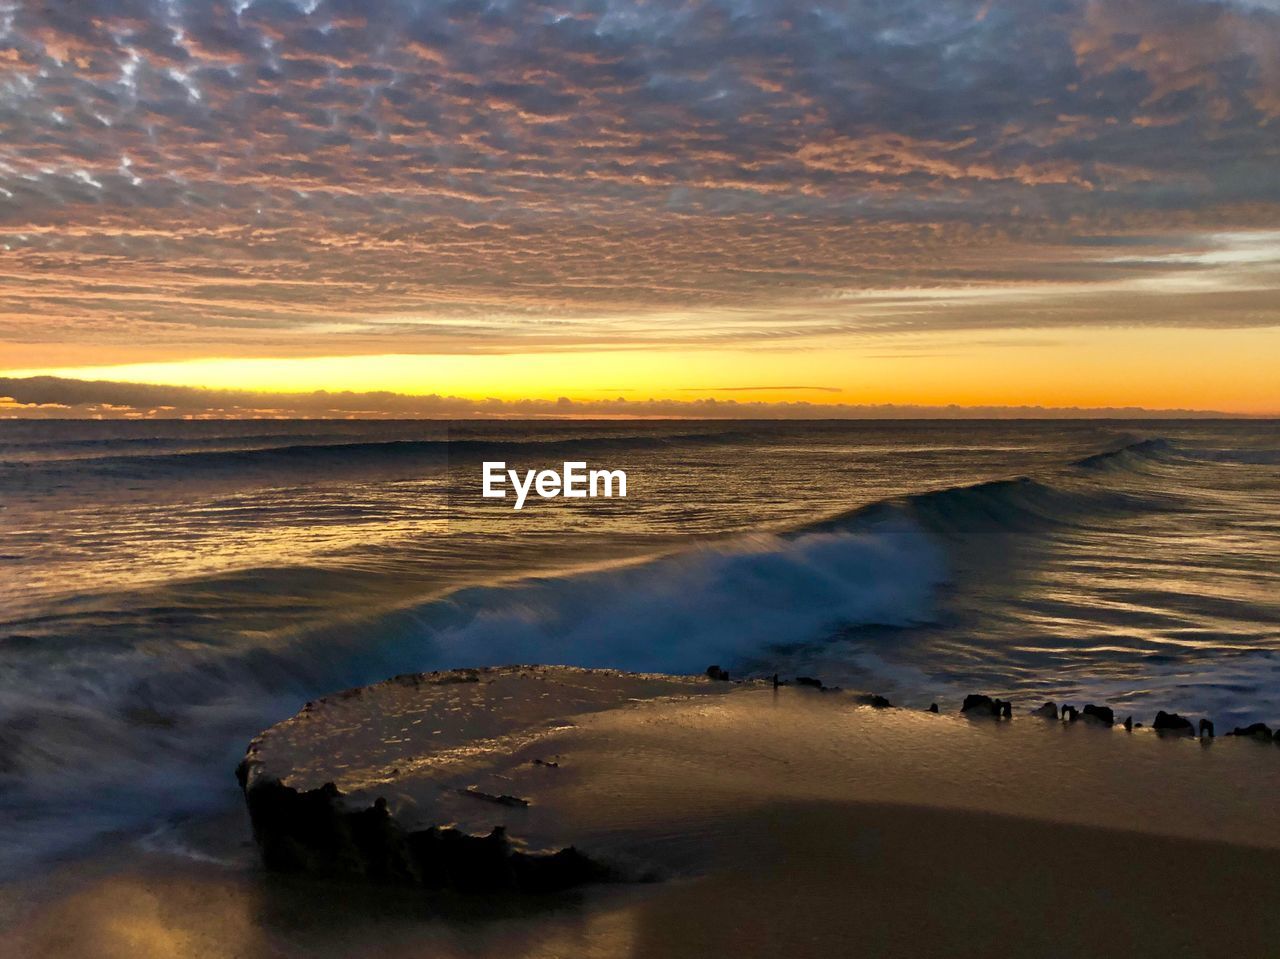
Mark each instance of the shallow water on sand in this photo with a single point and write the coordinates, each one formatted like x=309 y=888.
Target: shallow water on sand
x=793 y=823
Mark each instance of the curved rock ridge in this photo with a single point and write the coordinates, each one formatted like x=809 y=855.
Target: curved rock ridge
x=537 y=778
x=314 y=783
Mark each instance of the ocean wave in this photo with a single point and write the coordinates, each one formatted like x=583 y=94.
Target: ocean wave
x=141 y=736
x=1242 y=457
x=1019 y=504
x=346 y=456
x=1136 y=455
x=1127 y=455
x=722 y=603
x=710 y=605
x=113 y=741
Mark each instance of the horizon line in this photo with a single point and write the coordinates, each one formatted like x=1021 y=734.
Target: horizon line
x=67 y=398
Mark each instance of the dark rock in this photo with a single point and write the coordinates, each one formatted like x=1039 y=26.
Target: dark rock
x=716 y=673
x=546 y=762
x=1047 y=711
x=981 y=705
x=311 y=832
x=809 y=681
x=304 y=822
x=1069 y=714
x=1103 y=714
x=1128 y=724
x=1206 y=728
x=503 y=800
x=933 y=707
x=1260 y=731
x=875 y=702
x=1173 y=723
x=555 y=871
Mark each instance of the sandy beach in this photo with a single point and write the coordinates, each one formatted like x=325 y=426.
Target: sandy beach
x=821 y=879
x=776 y=822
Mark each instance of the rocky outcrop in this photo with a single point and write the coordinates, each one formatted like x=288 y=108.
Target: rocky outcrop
x=313 y=832
x=977 y=704
x=472 y=780
x=1173 y=723
x=320 y=786
x=1258 y=731
x=1102 y=714
x=1047 y=711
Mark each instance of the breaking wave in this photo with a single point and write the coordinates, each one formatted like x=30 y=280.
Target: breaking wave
x=120 y=737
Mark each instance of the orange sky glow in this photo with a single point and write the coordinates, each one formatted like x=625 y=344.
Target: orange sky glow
x=928 y=204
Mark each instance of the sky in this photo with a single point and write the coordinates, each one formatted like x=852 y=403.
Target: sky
x=359 y=207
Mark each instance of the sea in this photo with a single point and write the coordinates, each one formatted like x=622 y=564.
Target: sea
x=170 y=588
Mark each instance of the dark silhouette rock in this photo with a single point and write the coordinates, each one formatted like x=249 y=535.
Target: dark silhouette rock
x=304 y=822
x=1047 y=711
x=312 y=832
x=1069 y=714
x=502 y=800
x=1128 y=724
x=979 y=705
x=933 y=707
x=1206 y=728
x=876 y=702
x=1102 y=714
x=809 y=681
x=1173 y=723
x=718 y=674
x=1259 y=731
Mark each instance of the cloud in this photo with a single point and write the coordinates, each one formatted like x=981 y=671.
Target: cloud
x=59 y=397
x=762 y=389
x=258 y=173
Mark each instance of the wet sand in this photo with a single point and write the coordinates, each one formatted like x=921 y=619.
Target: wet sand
x=813 y=879
x=789 y=823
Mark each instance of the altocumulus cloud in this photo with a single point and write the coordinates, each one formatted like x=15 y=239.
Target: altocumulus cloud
x=469 y=176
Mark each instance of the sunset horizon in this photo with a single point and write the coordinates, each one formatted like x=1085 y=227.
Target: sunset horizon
x=46 y=395
x=944 y=204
